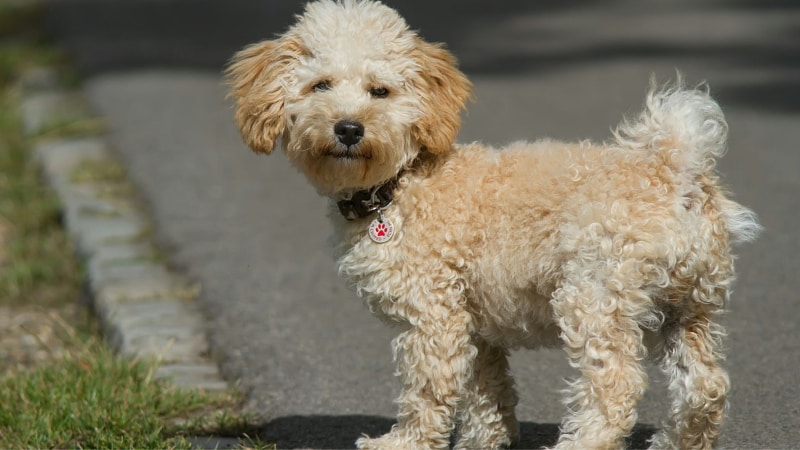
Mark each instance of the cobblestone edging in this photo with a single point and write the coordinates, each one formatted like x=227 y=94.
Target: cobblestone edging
x=144 y=309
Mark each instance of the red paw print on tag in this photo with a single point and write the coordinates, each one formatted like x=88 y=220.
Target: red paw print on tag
x=381 y=231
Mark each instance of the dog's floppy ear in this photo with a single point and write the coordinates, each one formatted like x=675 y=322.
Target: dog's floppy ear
x=444 y=91
x=257 y=76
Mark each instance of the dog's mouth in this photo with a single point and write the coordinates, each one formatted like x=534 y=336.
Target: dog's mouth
x=349 y=153
x=349 y=156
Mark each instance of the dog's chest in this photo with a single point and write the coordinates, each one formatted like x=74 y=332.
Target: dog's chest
x=395 y=282
x=375 y=271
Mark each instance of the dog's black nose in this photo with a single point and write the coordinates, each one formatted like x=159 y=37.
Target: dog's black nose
x=349 y=132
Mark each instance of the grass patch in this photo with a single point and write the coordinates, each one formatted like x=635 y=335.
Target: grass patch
x=86 y=397
x=36 y=262
x=36 y=257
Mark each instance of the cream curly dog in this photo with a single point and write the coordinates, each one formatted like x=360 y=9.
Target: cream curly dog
x=616 y=252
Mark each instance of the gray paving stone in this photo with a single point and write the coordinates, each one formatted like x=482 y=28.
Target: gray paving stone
x=166 y=344
x=121 y=253
x=41 y=110
x=74 y=195
x=77 y=207
x=94 y=231
x=111 y=192
x=166 y=313
x=91 y=219
x=82 y=204
x=133 y=290
x=60 y=157
x=39 y=78
x=204 y=385
x=204 y=376
x=125 y=271
x=134 y=293
x=215 y=443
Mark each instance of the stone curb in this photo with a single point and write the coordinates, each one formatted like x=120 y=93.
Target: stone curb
x=145 y=310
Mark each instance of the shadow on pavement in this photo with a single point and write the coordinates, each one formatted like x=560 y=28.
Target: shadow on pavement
x=342 y=432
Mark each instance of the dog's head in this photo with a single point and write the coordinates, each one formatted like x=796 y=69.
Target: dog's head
x=353 y=93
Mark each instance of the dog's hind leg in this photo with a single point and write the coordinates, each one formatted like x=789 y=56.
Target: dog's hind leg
x=697 y=385
x=691 y=346
x=603 y=338
x=487 y=410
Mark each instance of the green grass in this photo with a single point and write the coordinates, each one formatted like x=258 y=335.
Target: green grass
x=80 y=395
x=93 y=399
x=36 y=256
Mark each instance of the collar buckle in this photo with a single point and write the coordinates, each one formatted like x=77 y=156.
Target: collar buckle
x=365 y=203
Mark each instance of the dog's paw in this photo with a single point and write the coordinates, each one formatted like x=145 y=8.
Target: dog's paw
x=387 y=441
x=400 y=439
x=504 y=436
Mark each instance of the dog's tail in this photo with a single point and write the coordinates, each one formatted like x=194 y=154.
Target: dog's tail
x=686 y=126
x=687 y=129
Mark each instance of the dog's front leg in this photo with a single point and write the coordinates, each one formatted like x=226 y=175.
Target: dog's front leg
x=487 y=412
x=435 y=361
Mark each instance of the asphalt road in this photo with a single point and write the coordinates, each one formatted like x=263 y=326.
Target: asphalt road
x=311 y=360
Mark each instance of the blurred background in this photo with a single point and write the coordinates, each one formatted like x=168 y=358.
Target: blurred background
x=306 y=353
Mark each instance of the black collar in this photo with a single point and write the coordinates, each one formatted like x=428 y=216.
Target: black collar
x=363 y=203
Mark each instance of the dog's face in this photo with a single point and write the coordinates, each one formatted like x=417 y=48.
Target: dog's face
x=354 y=94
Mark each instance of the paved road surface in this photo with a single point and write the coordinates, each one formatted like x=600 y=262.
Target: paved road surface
x=309 y=357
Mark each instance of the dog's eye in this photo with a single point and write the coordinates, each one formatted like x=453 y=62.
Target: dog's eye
x=321 y=86
x=379 y=92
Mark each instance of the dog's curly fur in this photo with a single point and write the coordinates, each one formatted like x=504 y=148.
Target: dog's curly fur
x=616 y=252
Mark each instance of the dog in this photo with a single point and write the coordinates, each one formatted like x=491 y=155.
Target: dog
x=616 y=252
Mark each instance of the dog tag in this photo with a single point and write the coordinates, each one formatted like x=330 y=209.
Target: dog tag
x=381 y=231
